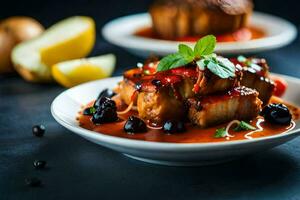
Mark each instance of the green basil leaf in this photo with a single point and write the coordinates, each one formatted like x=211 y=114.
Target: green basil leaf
x=244 y=126
x=220 y=133
x=202 y=64
x=227 y=65
x=171 y=61
x=186 y=51
x=92 y=109
x=222 y=67
x=241 y=59
x=205 y=46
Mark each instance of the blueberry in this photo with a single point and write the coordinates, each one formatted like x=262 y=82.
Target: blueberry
x=105 y=115
x=277 y=114
x=135 y=125
x=174 y=126
x=89 y=111
x=104 y=102
x=38 y=130
x=106 y=93
x=39 y=164
x=33 y=182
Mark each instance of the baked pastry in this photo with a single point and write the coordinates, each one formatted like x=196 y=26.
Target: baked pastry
x=173 y=19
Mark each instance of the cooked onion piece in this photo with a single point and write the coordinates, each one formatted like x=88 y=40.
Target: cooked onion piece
x=15 y=30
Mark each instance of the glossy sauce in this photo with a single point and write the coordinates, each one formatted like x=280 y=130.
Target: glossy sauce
x=152 y=82
x=193 y=133
x=244 y=34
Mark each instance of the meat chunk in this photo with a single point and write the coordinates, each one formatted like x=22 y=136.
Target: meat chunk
x=263 y=85
x=126 y=89
x=240 y=103
x=161 y=96
x=173 y=19
x=165 y=103
x=157 y=107
x=255 y=75
x=210 y=83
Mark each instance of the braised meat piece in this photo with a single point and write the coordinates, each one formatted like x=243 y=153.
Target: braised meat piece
x=256 y=75
x=157 y=107
x=159 y=96
x=240 y=103
x=209 y=83
x=173 y=19
x=139 y=80
x=127 y=89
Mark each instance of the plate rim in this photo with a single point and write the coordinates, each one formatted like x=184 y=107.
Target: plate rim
x=148 y=45
x=151 y=145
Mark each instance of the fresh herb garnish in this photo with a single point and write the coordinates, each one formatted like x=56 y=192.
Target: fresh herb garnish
x=89 y=111
x=203 y=56
x=241 y=126
x=172 y=61
x=205 y=46
x=242 y=59
x=220 y=66
x=248 y=62
x=220 y=133
x=244 y=126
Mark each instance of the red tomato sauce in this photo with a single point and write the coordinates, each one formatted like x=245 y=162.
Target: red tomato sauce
x=244 y=34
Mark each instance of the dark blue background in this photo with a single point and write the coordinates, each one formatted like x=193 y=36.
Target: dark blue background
x=78 y=169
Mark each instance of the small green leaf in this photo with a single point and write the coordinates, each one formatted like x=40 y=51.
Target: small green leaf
x=244 y=126
x=221 y=70
x=205 y=46
x=186 y=51
x=92 y=110
x=202 y=64
x=255 y=66
x=241 y=59
x=220 y=66
x=220 y=133
x=171 y=61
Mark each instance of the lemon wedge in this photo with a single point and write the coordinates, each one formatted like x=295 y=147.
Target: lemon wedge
x=71 y=38
x=74 y=72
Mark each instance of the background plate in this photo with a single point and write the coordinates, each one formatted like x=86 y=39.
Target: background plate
x=120 y=32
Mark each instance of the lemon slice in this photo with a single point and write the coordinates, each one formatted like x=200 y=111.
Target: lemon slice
x=71 y=38
x=74 y=72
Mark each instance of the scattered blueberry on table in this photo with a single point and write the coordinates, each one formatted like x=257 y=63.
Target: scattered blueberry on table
x=38 y=130
x=39 y=164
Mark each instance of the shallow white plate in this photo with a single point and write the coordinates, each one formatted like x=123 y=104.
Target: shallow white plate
x=66 y=106
x=120 y=32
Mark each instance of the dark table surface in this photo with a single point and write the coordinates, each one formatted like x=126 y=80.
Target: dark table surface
x=78 y=169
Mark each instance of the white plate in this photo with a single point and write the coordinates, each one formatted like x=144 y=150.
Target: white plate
x=66 y=106
x=120 y=32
